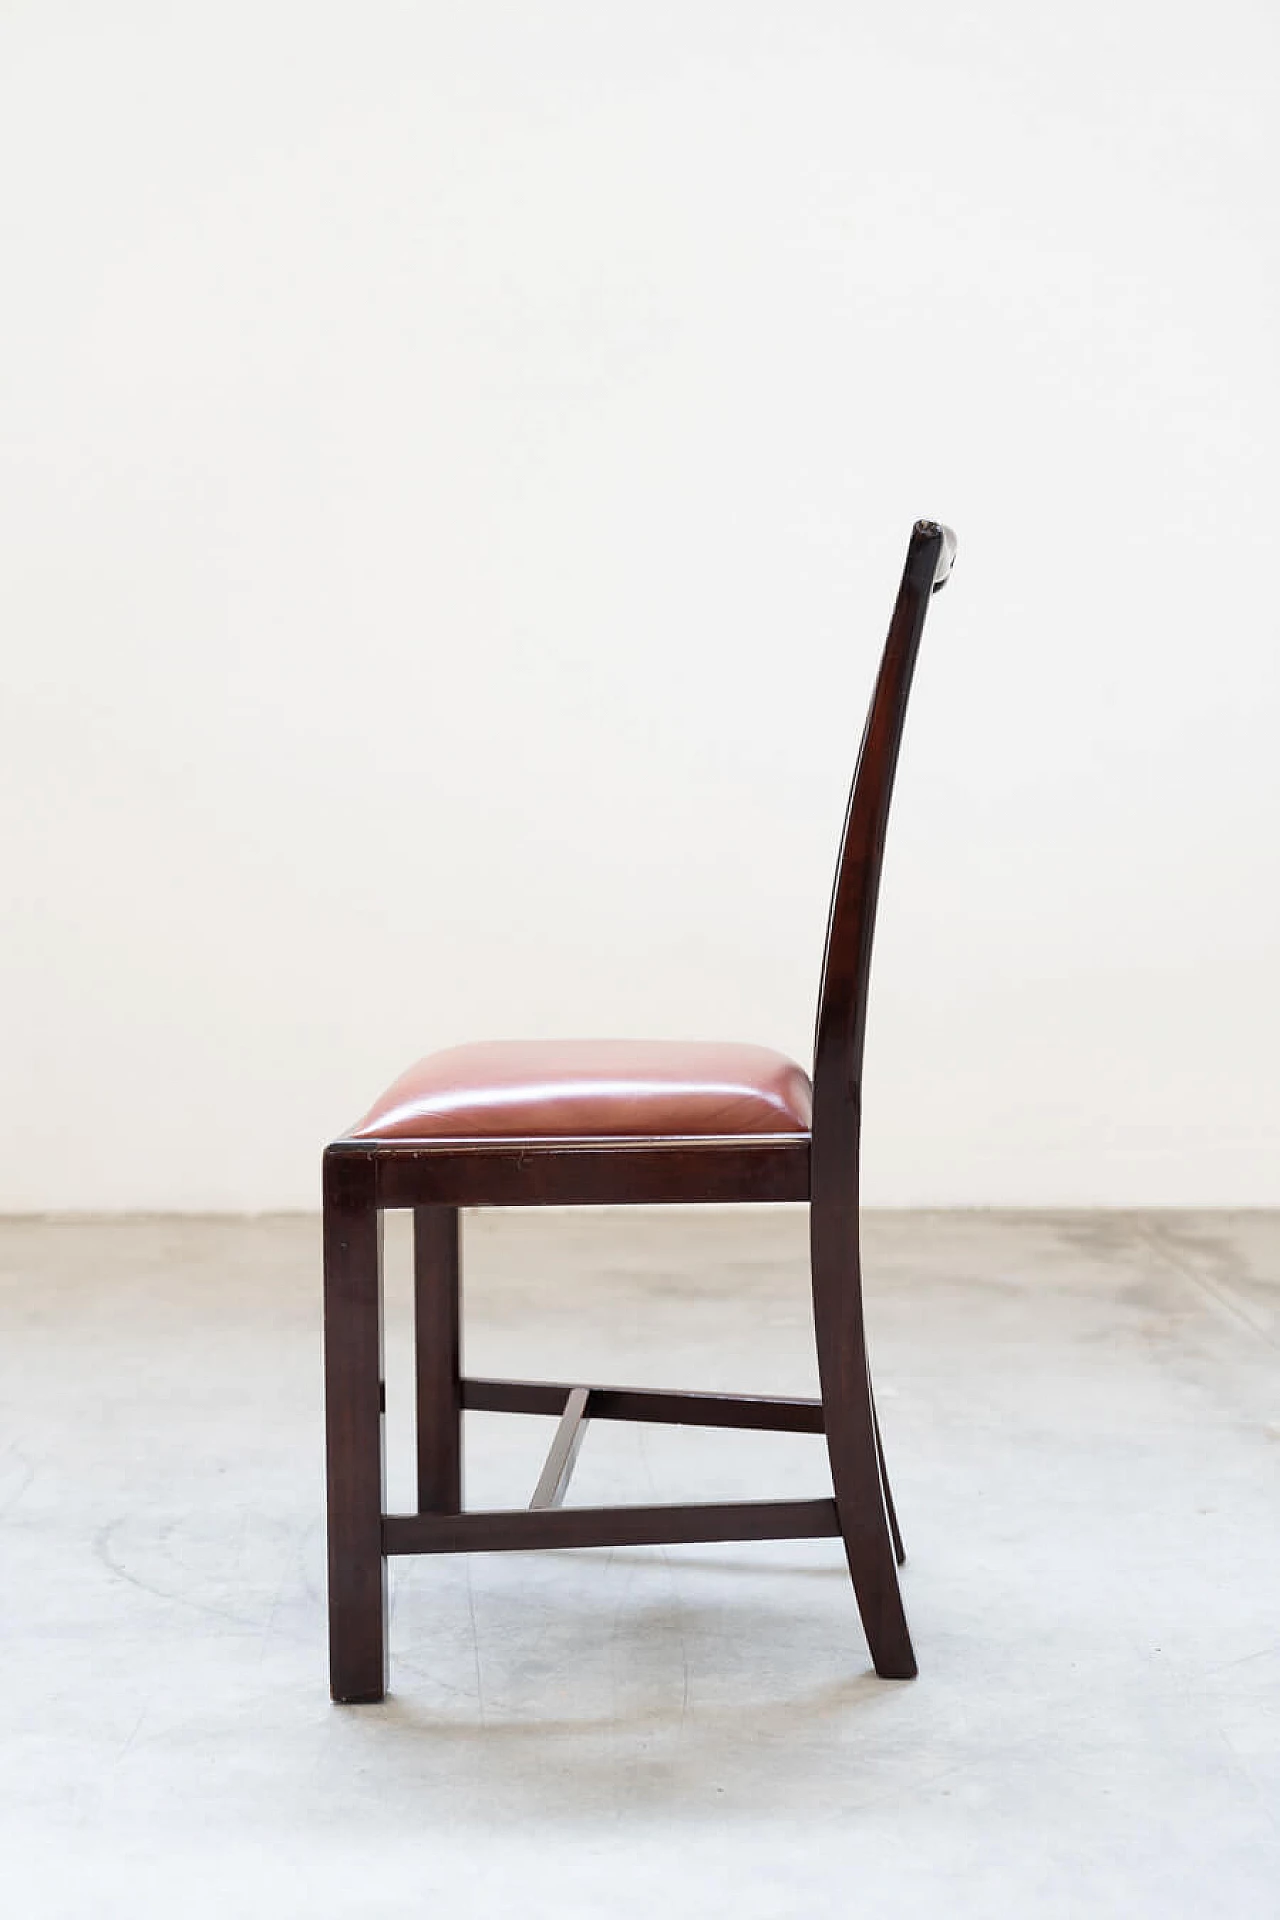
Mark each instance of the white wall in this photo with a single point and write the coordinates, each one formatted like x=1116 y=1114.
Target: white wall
x=455 y=465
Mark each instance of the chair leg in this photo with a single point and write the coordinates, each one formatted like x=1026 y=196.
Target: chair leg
x=899 y=1551
x=852 y=1439
x=354 y=1393
x=438 y=1358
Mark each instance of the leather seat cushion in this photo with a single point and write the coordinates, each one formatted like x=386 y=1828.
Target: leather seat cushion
x=574 y=1089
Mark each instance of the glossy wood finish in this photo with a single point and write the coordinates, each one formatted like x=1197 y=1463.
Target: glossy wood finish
x=853 y=1440
x=519 y=1529
x=437 y=1307
x=584 y=1173
x=354 y=1408
x=647 y=1404
x=436 y=1178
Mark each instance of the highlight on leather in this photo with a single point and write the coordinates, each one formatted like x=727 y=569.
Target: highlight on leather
x=593 y=1089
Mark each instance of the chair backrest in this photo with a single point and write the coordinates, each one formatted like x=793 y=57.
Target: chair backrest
x=846 y=966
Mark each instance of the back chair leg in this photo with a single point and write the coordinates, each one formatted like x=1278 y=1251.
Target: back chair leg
x=853 y=1442
x=438 y=1358
x=899 y=1551
x=354 y=1412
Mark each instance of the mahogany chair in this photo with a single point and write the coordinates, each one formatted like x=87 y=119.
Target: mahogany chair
x=554 y=1124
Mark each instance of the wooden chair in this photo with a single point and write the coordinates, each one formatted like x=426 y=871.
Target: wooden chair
x=619 y=1122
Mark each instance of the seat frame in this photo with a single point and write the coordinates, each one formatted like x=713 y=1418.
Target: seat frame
x=365 y=1178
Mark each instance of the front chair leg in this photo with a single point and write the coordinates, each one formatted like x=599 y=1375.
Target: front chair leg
x=354 y=1393
x=853 y=1446
x=438 y=1358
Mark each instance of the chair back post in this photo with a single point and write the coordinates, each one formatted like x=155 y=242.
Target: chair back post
x=846 y=967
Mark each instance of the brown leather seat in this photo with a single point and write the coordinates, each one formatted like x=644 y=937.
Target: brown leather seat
x=590 y=1089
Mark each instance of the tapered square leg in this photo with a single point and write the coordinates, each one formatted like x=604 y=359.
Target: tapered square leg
x=354 y=1394
x=438 y=1358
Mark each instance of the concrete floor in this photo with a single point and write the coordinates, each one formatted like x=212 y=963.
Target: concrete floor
x=1083 y=1418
